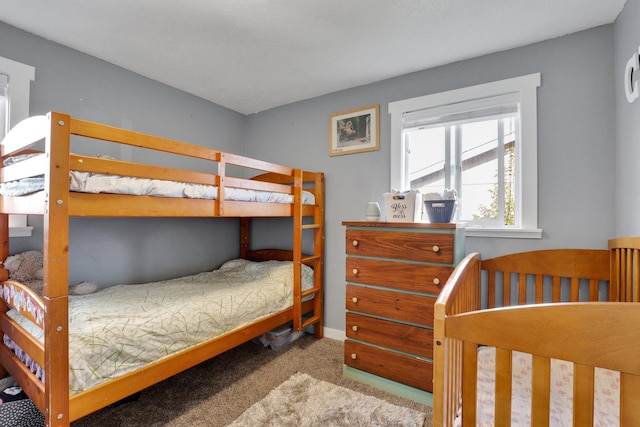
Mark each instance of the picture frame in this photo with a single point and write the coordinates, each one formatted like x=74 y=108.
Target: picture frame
x=354 y=131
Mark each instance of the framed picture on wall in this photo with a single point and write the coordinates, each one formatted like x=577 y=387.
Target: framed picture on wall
x=354 y=131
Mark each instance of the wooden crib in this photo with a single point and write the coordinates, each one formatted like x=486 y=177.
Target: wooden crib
x=555 y=305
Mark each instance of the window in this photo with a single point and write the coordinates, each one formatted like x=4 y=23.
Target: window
x=15 y=82
x=4 y=104
x=480 y=141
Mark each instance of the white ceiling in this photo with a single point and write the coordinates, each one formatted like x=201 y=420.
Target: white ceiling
x=252 y=55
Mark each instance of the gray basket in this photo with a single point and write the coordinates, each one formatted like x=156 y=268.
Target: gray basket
x=440 y=211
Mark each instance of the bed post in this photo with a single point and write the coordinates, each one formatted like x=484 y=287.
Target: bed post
x=4 y=275
x=56 y=281
x=624 y=283
x=245 y=227
x=447 y=352
x=4 y=250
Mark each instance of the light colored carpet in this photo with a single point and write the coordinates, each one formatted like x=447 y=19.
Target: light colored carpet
x=303 y=401
x=218 y=391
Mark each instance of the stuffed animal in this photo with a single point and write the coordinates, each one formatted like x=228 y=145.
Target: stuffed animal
x=27 y=267
x=83 y=288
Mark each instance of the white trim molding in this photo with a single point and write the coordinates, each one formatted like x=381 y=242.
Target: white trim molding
x=526 y=86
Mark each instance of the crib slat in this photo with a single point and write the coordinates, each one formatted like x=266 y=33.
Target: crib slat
x=539 y=296
x=614 y=283
x=632 y=268
x=575 y=290
x=541 y=388
x=582 y=395
x=454 y=372
x=506 y=291
x=503 y=387
x=469 y=382
x=522 y=289
x=593 y=290
x=491 y=289
x=629 y=392
x=555 y=292
x=629 y=274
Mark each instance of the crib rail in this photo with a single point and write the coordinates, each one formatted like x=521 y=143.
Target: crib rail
x=553 y=275
x=554 y=331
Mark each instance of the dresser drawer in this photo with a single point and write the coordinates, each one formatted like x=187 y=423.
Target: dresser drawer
x=412 y=371
x=428 y=279
x=429 y=247
x=409 y=308
x=398 y=336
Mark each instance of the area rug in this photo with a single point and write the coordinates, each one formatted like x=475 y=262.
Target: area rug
x=303 y=401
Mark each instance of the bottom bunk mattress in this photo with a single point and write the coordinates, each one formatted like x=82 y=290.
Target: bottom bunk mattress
x=606 y=394
x=122 y=328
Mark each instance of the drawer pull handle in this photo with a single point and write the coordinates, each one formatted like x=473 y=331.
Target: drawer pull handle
x=355 y=243
x=353 y=356
x=436 y=248
x=436 y=281
x=355 y=328
x=355 y=271
x=354 y=299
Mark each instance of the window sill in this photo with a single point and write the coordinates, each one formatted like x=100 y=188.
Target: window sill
x=20 y=231
x=521 y=233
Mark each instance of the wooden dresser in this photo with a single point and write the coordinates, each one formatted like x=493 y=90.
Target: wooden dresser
x=394 y=272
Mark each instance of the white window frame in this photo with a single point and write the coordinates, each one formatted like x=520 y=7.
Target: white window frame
x=20 y=78
x=527 y=87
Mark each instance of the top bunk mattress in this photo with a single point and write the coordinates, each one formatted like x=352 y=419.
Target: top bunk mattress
x=122 y=328
x=87 y=182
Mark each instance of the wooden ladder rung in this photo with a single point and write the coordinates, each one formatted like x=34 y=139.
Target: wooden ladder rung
x=310 y=226
x=311 y=259
x=311 y=291
x=310 y=321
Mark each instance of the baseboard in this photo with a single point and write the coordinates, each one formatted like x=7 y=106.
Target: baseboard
x=334 y=334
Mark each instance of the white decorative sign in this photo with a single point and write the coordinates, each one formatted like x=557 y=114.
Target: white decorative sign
x=631 y=73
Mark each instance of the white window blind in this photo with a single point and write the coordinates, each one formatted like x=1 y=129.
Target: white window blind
x=4 y=104
x=463 y=112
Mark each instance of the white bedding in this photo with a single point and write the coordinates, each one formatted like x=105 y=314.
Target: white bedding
x=124 y=327
x=606 y=401
x=86 y=182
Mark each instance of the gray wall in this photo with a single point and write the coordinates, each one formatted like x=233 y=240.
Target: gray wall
x=576 y=145
x=116 y=250
x=576 y=151
x=627 y=172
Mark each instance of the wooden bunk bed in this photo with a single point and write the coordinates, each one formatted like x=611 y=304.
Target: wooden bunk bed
x=560 y=330
x=43 y=143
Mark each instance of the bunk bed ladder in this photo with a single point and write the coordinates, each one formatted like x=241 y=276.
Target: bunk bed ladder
x=314 y=260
